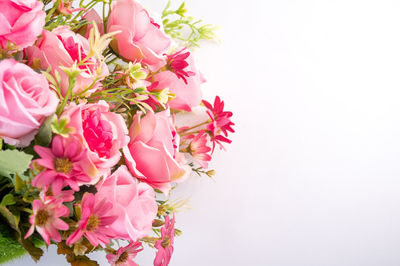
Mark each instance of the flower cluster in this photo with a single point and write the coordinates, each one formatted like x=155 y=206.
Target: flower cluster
x=93 y=134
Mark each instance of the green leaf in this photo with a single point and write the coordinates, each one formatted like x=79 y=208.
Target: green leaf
x=8 y=200
x=59 y=127
x=14 y=162
x=43 y=138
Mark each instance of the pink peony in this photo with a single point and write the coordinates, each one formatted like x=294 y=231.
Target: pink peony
x=133 y=202
x=125 y=255
x=165 y=245
x=21 y=22
x=62 y=47
x=94 y=222
x=46 y=219
x=103 y=134
x=184 y=81
x=25 y=101
x=141 y=39
x=152 y=154
x=63 y=165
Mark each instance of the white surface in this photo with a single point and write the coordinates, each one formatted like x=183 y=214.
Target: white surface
x=313 y=174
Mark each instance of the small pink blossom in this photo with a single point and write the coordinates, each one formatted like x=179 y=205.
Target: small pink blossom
x=177 y=63
x=94 y=222
x=165 y=244
x=46 y=219
x=63 y=165
x=199 y=150
x=47 y=195
x=187 y=88
x=125 y=255
x=221 y=122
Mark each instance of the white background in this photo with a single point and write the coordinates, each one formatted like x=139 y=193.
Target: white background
x=313 y=175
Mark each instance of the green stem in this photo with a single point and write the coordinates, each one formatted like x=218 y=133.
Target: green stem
x=71 y=84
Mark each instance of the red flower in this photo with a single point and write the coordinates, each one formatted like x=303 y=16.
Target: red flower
x=177 y=64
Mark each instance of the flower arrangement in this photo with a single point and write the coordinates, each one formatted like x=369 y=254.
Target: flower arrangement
x=92 y=140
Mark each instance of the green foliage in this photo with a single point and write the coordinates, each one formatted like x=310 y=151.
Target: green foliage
x=43 y=138
x=9 y=247
x=13 y=162
x=59 y=127
x=185 y=28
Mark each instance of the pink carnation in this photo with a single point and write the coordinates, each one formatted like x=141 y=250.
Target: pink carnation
x=21 y=22
x=102 y=133
x=153 y=153
x=63 y=47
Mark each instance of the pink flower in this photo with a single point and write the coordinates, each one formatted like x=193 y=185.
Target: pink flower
x=63 y=164
x=177 y=64
x=63 y=47
x=221 y=121
x=47 y=195
x=92 y=16
x=65 y=7
x=165 y=244
x=94 y=222
x=133 y=203
x=125 y=255
x=187 y=89
x=102 y=133
x=152 y=154
x=141 y=39
x=199 y=150
x=46 y=219
x=25 y=101
x=21 y=22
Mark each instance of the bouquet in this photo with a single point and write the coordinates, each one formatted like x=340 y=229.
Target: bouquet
x=101 y=117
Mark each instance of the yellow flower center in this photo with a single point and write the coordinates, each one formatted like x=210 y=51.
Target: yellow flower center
x=165 y=242
x=63 y=165
x=92 y=223
x=41 y=218
x=123 y=258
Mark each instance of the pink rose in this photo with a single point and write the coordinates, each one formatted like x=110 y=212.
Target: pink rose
x=186 y=88
x=141 y=39
x=133 y=202
x=25 y=101
x=61 y=48
x=21 y=21
x=152 y=154
x=102 y=132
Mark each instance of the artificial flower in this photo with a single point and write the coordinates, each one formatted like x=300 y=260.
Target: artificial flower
x=94 y=222
x=21 y=22
x=125 y=255
x=140 y=39
x=165 y=245
x=133 y=202
x=46 y=219
x=63 y=163
x=152 y=154
x=25 y=102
